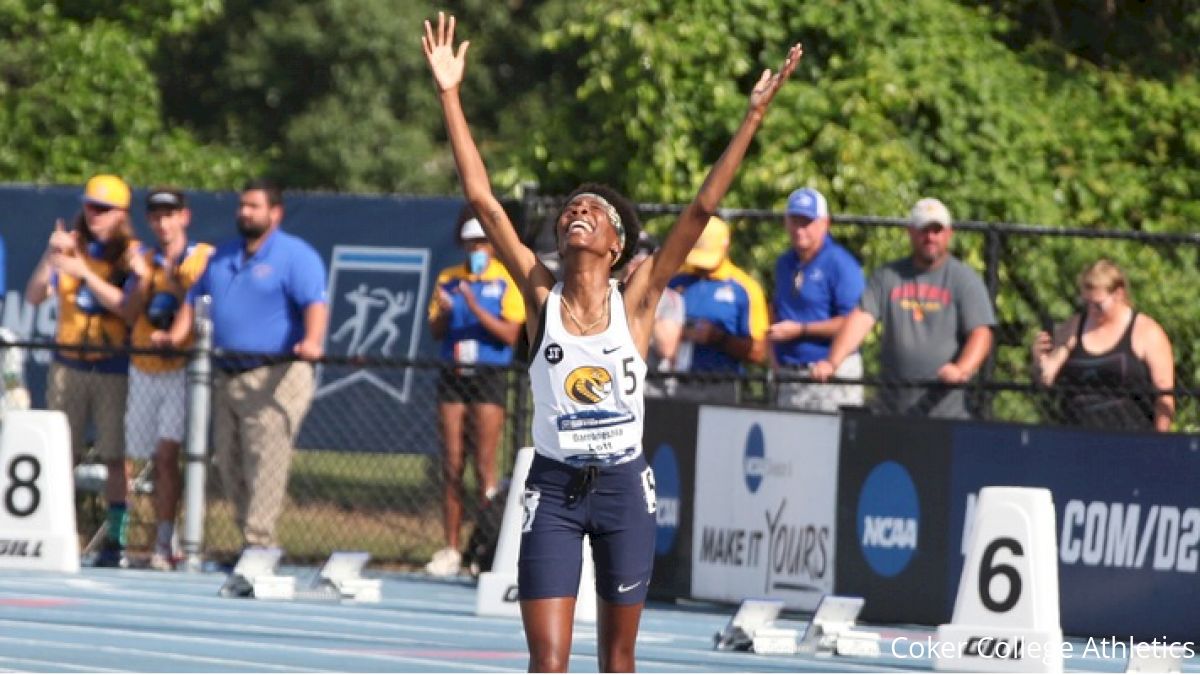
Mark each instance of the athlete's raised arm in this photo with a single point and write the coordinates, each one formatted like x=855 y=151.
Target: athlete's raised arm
x=448 y=68
x=649 y=279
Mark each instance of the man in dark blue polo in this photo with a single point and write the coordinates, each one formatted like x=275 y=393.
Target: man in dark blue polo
x=269 y=308
x=817 y=283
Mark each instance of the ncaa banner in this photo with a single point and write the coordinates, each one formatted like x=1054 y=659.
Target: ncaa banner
x=1127 y=520
x=669 y=441
x=893 y=487
x=763 y=521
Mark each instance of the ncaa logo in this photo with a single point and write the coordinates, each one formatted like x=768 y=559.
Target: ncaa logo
x=666 y=475
x=754 y=460
x=888 y=515
x=588 y=385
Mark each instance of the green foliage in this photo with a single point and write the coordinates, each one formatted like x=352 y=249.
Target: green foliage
x=1072 y=112
x=78 y=97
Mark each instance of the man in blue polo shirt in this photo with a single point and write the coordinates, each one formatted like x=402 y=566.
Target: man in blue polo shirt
x=817 y=283
x=268 y=295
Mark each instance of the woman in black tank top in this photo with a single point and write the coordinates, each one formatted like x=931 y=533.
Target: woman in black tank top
x=1113 y=388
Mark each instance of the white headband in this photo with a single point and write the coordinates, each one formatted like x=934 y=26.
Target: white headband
x=613 y=217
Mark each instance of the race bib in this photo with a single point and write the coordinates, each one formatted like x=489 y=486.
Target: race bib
x=596 y=432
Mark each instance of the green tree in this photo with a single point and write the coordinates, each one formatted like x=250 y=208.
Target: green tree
x=77 y=96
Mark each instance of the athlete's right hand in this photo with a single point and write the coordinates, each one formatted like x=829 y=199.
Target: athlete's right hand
x=447 y=67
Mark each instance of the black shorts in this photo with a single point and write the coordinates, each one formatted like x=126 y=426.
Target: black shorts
x=615 y=506
x=477 y=384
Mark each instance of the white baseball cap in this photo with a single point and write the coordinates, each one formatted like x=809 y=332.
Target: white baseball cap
x=928 y=211
x=471 y=230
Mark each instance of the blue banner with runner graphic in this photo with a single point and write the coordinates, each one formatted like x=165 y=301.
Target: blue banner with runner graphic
x=382 y=253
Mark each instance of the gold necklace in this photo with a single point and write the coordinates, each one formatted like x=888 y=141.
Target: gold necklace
x=582 y=328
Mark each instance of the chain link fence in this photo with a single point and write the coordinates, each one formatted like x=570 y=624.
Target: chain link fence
x=363 y=480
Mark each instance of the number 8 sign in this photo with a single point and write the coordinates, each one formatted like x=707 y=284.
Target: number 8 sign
x=37 y=502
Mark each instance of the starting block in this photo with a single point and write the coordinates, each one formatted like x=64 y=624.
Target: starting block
x=342 y=575
x=831 y=630
x=254 y=577
x=752 y=629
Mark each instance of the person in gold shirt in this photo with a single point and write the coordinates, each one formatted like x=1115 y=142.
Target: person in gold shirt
x=157 y=405
x=88 y=268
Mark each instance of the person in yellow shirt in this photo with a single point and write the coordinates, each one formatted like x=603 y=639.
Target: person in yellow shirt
x=726 y=317
x=156 y=409
x=477 y=312
x=88 y=269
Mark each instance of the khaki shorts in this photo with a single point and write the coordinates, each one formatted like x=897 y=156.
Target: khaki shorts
x=157 y=410
x=88 y=397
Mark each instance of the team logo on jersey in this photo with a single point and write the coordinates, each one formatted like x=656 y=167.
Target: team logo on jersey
x=553 y=353
x=588 y=385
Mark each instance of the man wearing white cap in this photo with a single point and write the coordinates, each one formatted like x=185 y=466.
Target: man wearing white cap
x=937 y=321
x=817 y=284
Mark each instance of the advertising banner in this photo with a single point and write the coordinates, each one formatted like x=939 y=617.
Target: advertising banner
x=1127 y=520
x=893 y=483
x=764 y=509
x=670 y=445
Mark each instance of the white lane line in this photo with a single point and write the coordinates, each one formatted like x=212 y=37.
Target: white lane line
x=170 y=656
x=51 y=664
x=251 y=645
x=251 y=611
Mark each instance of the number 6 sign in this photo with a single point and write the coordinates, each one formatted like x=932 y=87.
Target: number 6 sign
x=1006 y=613
x=37 y=503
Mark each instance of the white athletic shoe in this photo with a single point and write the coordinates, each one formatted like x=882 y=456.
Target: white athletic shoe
x=445 y=563
x=162 y=562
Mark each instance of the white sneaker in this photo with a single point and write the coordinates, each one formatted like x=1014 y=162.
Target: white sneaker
x=445 y=563
x=162 y=562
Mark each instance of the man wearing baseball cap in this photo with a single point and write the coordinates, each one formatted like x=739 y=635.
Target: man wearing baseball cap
x=156 y=411
x=726 y=315
x=937 y=322
x=817 y=284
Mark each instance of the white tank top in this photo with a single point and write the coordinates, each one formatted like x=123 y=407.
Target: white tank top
x=587 y=390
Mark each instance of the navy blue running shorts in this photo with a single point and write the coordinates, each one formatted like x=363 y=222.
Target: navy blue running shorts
x=614 y=505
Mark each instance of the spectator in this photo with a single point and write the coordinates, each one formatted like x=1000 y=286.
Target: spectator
x=157 y=410
x=726 y=315
x=1114 y=364
x=937 y=322
x=87 y=268
x=668 y=321
x=477 y=311
x=269 y=299
x=817 y=284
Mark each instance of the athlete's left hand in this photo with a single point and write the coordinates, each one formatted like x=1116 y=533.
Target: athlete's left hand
x=769 y=83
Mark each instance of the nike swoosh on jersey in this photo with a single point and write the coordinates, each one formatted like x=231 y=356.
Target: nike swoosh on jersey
x=609 y=351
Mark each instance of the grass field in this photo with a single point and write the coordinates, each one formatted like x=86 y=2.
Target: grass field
x=388 y=505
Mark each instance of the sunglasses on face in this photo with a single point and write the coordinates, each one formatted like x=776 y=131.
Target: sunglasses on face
x=97 y=208
x=933 y=228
